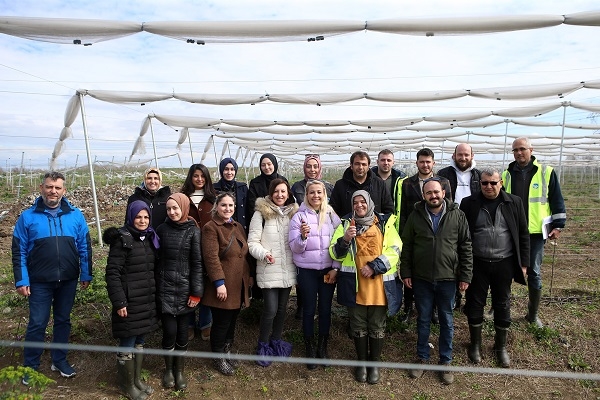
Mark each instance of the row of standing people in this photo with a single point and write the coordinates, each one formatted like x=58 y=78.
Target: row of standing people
x=525 y=177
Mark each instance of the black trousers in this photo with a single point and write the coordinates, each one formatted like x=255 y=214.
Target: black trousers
x=496 y=277
x=175 y=330
x=223 y=328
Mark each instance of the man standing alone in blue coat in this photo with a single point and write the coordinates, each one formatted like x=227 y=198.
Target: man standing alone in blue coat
x=51 y=250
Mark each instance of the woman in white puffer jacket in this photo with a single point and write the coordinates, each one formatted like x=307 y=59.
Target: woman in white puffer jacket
x=275 y=270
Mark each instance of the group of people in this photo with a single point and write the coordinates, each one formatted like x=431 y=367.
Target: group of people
x=380 y=237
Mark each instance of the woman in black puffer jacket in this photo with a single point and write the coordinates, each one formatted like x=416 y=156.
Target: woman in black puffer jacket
x=131 y=289
x=180 y=282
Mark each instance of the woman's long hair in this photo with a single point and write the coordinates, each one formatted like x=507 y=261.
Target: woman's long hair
x=188 y=187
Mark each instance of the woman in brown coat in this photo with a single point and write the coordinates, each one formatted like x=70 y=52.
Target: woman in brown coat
x=224 y=249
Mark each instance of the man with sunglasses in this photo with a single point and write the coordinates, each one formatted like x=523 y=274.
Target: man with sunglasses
x=500 y=241
x=538 y=186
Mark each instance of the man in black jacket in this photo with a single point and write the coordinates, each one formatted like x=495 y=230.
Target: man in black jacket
x=358 y=176
x=461 y=173
x=500 y=241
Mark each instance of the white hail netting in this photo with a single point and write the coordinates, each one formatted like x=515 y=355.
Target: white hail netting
x=89 y=31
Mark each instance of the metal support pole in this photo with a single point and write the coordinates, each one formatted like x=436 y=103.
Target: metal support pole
x=505 y=140
x=89 y=157
x=153 y=144
x=565 y=104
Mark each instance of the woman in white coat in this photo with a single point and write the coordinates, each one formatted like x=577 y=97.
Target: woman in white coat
x=275 y=269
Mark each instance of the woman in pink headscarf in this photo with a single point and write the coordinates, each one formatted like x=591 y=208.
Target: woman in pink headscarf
x=180 y=283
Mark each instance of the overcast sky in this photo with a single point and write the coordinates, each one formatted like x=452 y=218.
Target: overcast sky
x=37 y=78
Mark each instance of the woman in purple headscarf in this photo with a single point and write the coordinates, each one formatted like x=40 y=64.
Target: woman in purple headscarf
x=228 y=169
x=131 y=289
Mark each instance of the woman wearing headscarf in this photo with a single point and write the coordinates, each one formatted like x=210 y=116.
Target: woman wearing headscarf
x=368 y=246
x=131 y=289
x=275 y=269
x=180 y=283
x=313 y=170
x=228 y=170
x=154 y=194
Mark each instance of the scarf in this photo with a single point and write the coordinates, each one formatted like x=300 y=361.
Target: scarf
x=364 y=223
x=132 y=211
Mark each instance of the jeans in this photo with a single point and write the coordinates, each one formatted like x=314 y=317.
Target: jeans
x=273 y=313
x=60 y=296
x=130 y=342
x=497 y=277
x=314 y=289
x=534 y=271
x=204 y=317
x=223 y=328
x=394 y=299
x=428 y=294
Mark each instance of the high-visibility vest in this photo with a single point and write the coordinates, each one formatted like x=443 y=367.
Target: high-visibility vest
x=398 y=201
x=539 y=207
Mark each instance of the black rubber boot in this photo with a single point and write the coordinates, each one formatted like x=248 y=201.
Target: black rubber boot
x=139 y=360
x=322 y=348
x=474 y=351
x=168 y=379
x=362 y=349
x=179 y=369
x=535 y=295
x=125 y=374
x=309 y=352
x=500 y=347
x=375 y=346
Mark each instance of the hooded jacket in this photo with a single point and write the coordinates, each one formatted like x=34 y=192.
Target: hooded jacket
x=269 y=232
x=341 y=196
x=130 y=282
x=180 y=267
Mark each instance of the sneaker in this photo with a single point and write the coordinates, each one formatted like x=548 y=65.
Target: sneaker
x=66 y=370
x=25 y=380
x=416 y=373
x=447 y=377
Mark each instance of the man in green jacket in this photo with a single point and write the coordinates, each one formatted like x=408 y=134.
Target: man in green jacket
x=436 y=253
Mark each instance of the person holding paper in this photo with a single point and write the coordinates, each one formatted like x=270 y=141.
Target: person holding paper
x=538 y=186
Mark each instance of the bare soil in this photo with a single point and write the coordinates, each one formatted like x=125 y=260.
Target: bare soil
x=570 y=311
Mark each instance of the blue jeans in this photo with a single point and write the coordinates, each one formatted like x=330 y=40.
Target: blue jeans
x=440 y=293
x=536 y=254
x=313 y=289
x=130 y=342
x=394 y=299
x=60 y=296
x=204 y=317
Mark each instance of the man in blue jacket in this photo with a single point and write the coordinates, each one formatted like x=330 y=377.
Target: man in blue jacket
x=51 y=250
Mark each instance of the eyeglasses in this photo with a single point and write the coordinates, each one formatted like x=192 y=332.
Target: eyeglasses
x=520 y=149
x=486 y=183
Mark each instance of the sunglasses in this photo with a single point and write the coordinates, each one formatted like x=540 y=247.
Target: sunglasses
x=493 y=183
x=312 y=156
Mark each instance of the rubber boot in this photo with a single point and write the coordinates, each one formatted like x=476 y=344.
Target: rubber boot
x=375 y=346
x=535 y=295
x=322 y=348
x=139 y=383
x=500 y=347
x=168 y=379
x=125 y=374
x=474 y=351
x=362 y=349
x=408 y=311
x=309 y=349
x=179 y=369
x=228 y=346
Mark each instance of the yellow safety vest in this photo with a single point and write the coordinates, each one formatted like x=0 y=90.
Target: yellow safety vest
x=538 y=208
x=398 y=201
